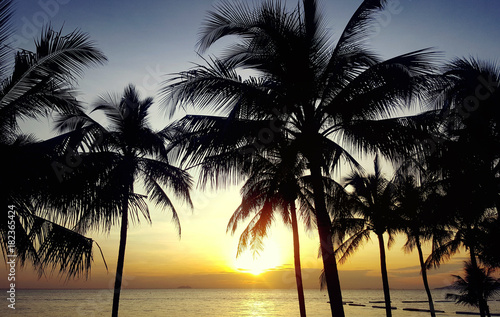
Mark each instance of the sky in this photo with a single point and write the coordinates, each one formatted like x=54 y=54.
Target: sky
x=146 y=42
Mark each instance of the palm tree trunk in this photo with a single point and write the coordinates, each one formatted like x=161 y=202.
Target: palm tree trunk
x=121 y=258
x=385 y=279
x=325 y=238
x=476 y=280
x=296 y=254
x=424 y=278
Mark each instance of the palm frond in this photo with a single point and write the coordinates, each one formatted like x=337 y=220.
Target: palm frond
x=442 y=253
x=67 y=251
x=6 y=30
x=48 y=245
x=256 y=231
x=211 y=140
x=360 y=25
x=352 y=244
x=385 y=87
x=26 y=227
x=395 y=138
x=226 y=19
x=42 y=80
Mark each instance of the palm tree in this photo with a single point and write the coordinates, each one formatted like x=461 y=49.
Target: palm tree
x=133 y=152
x=273 y=187
x=376 y=205
x=468 y=158
x=469 y=230
x=467 y=287
x=32 y=85
x=324 y=96
x=416 y=203
x=467 y=235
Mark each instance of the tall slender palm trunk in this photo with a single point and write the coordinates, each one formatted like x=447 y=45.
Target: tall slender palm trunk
x=326 y=244
x=121 y=259
x=424 y=278
x=385 y=278
x=296 y=254
x=478 y=287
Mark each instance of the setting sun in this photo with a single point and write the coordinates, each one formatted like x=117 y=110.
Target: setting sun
x=270 y=258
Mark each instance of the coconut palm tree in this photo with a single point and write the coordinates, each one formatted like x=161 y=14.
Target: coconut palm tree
x=466 y=287
x=468 y=158
x=324 y=95
x=417 y=204
x=466 y=235
x=273 y=187
x=33 y=84
x=468 y=99
x=373 y=212
x=469 y=229
x=133 y=153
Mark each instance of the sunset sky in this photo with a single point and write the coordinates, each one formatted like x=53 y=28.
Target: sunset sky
x=145 y=41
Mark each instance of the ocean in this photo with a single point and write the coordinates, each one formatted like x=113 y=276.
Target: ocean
x=220 y=303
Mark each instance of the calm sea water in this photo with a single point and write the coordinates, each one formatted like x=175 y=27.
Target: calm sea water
x=217 y=303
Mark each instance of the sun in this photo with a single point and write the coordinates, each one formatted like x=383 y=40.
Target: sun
x=268 y=259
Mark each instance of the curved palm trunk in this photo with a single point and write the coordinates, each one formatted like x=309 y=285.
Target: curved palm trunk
x=325 y=238
x=483 y=305
x=385 y=279
x=121 y=259
x=296 y=254
x=424 y=278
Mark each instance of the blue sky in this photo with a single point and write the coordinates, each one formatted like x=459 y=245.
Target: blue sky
x=147 y=40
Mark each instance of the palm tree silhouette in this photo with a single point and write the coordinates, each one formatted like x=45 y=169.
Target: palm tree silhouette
x=418 y=206
x=468 y=158
x=133 y=153
x=468 y=99
x=34 y=84
x=273 y=186
x=468 y=235
x=375 y=204
x=466 y=286
x=319 y=92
